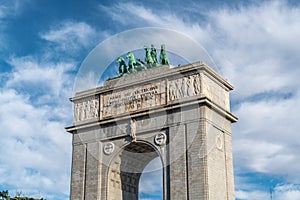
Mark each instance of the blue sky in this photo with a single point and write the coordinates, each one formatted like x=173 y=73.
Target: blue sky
x=255 y=45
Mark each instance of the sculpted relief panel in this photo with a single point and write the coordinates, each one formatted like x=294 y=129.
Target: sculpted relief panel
x=85 y=110
x=184 y=87
x=215 y=92
x=150 y=95
x=133 y=99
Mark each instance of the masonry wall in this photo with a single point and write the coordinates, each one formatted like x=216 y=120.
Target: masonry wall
x=78 y=172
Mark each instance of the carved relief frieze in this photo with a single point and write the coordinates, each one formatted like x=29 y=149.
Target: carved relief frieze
x=87 y=109
x=184 y=87
x=217 y=93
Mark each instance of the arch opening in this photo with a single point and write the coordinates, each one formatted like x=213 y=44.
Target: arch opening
x=151 y=181
x=126 y=169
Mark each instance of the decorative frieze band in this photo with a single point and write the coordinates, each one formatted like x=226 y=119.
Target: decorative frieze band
x=143 y=97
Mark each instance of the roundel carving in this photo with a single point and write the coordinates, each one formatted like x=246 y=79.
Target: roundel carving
x=108 y=148
x=160 y=139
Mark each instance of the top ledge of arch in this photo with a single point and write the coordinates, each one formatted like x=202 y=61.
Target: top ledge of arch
x=150 y=76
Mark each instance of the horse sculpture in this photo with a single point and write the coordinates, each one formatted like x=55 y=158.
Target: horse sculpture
x=133 y=65
x=163 y=56
x=148 y=58
x=131 y=62
x=153 y=54
x=138 y=65
x=122 y=66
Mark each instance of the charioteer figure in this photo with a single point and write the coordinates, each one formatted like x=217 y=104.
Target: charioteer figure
x=136 y=65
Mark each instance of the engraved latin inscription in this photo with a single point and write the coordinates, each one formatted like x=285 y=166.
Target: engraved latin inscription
x=133 y=99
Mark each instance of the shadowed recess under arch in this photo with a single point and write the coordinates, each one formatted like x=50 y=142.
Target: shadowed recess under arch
x=126 y=169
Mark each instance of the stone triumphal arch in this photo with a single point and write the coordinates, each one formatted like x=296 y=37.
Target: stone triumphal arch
x=179 y=114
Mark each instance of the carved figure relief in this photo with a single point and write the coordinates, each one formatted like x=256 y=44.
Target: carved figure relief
x=86 y=110
x=184 y=87
x=215 y=92
x=196 y=82
x=177 y=90
x=190 y=88
x=133 y=130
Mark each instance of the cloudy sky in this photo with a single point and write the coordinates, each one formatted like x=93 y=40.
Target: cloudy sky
x=254 y=44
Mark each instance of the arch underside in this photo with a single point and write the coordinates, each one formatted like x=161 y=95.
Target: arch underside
x=126 y=169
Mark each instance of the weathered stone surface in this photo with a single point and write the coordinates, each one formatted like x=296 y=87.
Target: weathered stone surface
x=133 y=99
x=181 y=115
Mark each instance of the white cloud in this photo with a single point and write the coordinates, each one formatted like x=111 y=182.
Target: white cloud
x=3 y=11
x=265 y=138
x=130 y=14
x=251 y=195
x=258 y=54
x=289 y=191
x=10 y=10
x=151 y=179
x=30 y=143
x=47 y=77
x=258 y=48
x=34 y=109
x=70 y=36
x=11 y=7
x=279 y=192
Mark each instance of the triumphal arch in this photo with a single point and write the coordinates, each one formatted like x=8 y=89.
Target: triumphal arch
x=179 y=114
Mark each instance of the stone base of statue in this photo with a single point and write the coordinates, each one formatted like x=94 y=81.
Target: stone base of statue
x=179 y=114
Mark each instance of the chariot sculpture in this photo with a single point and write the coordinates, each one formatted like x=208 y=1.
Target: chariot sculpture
x=150 y=61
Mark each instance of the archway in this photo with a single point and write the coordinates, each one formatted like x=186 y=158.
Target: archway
x=126 y=169
x=171 y=112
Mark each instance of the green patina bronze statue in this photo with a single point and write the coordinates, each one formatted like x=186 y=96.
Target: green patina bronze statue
x=163 y=56
x=138 y=65
x=148 y=57
x=153 y=54
x=133 y=65
x=122 y=66
x=131 y=62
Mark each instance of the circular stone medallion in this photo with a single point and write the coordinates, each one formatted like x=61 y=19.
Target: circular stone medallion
x=160 y=139
x=108 y=148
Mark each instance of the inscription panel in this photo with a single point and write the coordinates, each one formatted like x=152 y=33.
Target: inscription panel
x=133 y=99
